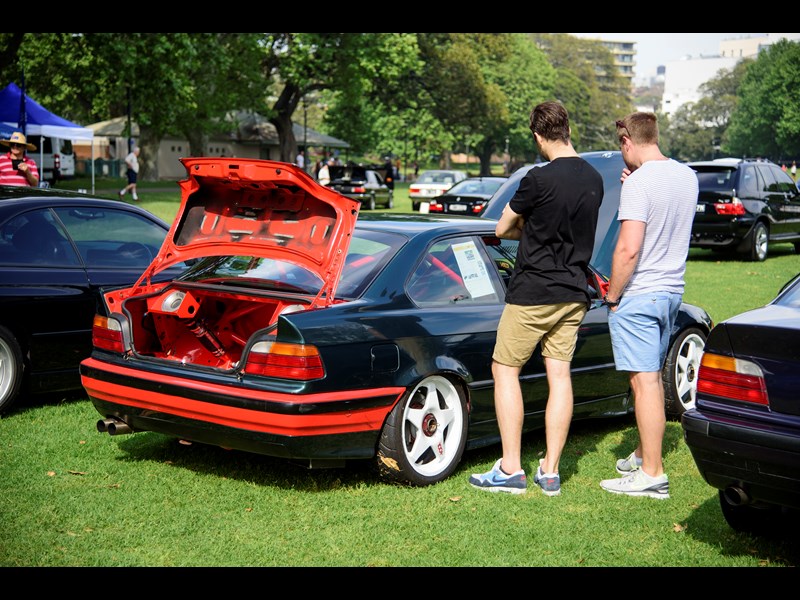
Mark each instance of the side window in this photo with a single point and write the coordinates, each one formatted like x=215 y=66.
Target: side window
x=770 y=185
x=784 y=183
x=454 y=271
x=112 y=238
x=748 y=181
x=36 y=239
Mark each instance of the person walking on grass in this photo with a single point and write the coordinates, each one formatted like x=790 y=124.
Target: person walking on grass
x=554 y=216
x=132 y=162
x=656 y=209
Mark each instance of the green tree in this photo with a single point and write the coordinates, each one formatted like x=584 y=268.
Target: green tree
x=590 y=87
x=182 y=83
x=357 y=67
x=697 y=130
x=483 y=86
x=766 y=119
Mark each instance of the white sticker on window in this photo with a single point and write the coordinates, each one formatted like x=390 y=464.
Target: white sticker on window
x=473 y=269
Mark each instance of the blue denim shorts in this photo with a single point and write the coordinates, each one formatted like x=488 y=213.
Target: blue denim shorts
x=640 y=330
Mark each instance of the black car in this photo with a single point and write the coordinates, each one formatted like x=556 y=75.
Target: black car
x=308 y=331
x=745 y=205
x=744 y=432
x=366 y=185
x=467 y=197
x=57 y=250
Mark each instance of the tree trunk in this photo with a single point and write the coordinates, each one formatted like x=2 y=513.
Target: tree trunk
x=149 y=142
x=485 y=151
x=284 y=108
x=286 y=141
x=197 y=142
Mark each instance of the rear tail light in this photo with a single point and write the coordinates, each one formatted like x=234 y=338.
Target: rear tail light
x=286 y=361
x=107 y=334
x=732 y=378
x=478 y=207
x=436 y=207
x=732 y=208
x=359 y=190
x=413 y=190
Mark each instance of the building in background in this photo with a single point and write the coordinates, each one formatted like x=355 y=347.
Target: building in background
x=683 y=78
x=255 y=137
x=624 y=54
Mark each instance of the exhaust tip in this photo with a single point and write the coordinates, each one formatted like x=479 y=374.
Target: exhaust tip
x=113 y=426
x=119 y=428
x=736 y=496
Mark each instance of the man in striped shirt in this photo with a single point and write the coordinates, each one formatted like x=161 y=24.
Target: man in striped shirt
x=15 y=167
x=656 y=210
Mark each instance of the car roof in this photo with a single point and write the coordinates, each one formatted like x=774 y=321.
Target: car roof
x=13 y=199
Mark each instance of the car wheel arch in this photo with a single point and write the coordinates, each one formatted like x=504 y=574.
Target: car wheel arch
x=398 y=458
x=681 y=367
x=754 y=246
x=13 y=366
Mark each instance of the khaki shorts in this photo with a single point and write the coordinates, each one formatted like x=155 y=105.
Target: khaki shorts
x=522 y=327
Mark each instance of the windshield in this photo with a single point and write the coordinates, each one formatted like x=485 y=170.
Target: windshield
x=436 y=177
x=483 y=187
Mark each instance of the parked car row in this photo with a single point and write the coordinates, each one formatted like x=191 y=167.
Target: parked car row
x=277 y=316
x=431 y=184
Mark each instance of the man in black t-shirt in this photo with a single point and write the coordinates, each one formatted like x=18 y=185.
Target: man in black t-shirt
x=554 y=215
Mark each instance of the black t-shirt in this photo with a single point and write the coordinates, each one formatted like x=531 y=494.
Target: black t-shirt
x=559 y=202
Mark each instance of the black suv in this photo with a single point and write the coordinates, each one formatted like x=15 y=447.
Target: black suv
x=364 y=184
x=743 y=205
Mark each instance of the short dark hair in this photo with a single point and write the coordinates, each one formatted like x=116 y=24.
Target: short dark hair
x=551 y=121
x=640 y=127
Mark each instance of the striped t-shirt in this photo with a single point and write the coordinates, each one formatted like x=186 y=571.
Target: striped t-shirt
x=9 y=175
x=663 y=194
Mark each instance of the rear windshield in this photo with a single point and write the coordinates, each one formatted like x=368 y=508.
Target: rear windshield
x=715 y=179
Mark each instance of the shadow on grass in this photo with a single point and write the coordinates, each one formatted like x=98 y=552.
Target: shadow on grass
x=780 y=547
x=703 y=255
x=238 y=465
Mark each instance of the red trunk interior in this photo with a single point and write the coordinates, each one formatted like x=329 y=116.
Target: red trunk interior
x=204 y=327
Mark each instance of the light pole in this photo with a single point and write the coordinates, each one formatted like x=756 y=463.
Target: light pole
x=305 y=134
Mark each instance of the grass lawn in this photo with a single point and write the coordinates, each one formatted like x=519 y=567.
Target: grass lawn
x=70 y=496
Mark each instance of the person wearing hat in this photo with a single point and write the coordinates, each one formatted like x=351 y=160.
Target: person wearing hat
x=15 y=167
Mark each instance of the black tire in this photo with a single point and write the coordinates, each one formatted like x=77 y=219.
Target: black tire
x=11 y=369
x=372 y=202
x=755 y=246
x=424 y=436
x=390 y=204
x=414 y=205
x=680 y=372
x=797 y=247
x=759 y=519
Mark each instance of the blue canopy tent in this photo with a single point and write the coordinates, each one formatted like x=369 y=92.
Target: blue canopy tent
x=39 y=120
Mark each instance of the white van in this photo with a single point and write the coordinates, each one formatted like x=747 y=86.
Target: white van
x=55 y=158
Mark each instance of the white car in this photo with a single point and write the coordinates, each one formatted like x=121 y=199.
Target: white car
x=431 y=184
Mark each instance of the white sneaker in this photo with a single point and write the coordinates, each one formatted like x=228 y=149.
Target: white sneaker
x=121 y=193
x=628 y=464
x=638 y=483
x=135 y=197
